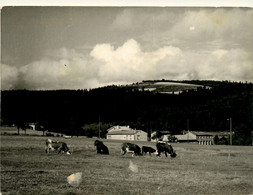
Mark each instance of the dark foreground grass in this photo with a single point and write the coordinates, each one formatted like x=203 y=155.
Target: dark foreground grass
x=27 y=169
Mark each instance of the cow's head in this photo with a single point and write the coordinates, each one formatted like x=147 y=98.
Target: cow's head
x=97 y=143
x=173 y=155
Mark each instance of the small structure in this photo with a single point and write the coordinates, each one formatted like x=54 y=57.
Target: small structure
x=161 y=136
x=32 y=126
x=126 y=133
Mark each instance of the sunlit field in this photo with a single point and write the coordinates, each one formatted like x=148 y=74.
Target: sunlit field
x=198 y=169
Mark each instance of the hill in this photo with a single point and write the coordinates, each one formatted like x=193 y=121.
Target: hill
x=207 y=105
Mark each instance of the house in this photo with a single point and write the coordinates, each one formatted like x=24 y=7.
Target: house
x=32 y=126
x=160 y=136
x=187 y=137
x=126 y=133
x=203 y=138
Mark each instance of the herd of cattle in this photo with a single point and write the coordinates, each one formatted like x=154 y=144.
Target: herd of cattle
x=161 y=147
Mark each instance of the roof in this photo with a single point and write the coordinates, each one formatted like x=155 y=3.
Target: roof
x=209 y=133
x=189 y=136
x=123 y=132
x=140 y=131
x=119 y=128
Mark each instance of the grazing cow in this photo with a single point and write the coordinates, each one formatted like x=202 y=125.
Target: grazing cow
x=131 y=148
x=101 y=148
x=55 y=145
x=147 y=149
x=166 y=148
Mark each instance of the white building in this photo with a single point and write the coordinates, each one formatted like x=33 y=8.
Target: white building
x=126 y=133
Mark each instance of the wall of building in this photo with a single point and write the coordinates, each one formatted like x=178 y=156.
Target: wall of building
x=141 y=136
x=120 y=137
x=205 y=139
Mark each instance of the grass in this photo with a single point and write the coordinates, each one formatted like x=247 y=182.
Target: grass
x=198 y=169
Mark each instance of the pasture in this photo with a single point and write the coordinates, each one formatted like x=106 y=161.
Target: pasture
x=198 y=169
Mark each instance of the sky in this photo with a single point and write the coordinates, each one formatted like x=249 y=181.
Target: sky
x=47 y=48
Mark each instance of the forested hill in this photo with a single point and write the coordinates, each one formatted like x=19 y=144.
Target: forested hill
x=77 y=112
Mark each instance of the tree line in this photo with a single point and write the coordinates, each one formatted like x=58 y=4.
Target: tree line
x=89 y=112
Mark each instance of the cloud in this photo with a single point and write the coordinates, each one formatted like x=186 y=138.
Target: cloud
x=58 y=69
x=187 y=28
x=191 y=28
x=129 y=63
x=9 y=76
x=106 y=64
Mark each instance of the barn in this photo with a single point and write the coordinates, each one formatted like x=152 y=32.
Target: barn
x=126 y=133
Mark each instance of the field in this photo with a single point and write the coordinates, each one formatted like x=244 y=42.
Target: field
x=198 y=169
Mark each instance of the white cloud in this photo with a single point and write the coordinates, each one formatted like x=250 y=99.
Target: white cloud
x=105 y=65
x=9 y=76
x=191 y=28
x=129 y=63
x=219 y=53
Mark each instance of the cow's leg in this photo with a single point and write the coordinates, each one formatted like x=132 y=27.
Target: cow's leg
x=149 y=153
x=123 y=152
x=159 y=153
x=60 y=149
x=166 y=154
x=46 y=149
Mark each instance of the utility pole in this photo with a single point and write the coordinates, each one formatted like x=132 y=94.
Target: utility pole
x=99 y=126
x=188 y=130
x=231 y=133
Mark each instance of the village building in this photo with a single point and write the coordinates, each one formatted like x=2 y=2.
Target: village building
x=32 y=126
x=126 y=133
x=202 y=138
x=165 y=136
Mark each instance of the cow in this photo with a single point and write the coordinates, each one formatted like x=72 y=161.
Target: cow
x=101 y=148
x=147 y=149
x=166 y=148
x=56 y=145
x=130 y=148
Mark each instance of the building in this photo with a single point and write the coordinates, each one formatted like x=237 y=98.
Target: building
x=187 y=137
x=161 y=136
x=126 y=133
x=32 y=126
x=203 y=138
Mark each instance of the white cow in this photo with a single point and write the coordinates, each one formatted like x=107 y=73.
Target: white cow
x=55 y=145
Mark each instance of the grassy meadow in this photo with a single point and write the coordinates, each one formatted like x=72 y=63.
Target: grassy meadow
x=198 y=169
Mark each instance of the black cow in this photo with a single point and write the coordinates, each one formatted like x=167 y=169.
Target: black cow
x=147 y=149
x=131 y=148
x=101 y=148
x=166 y=148
x=55 y=145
